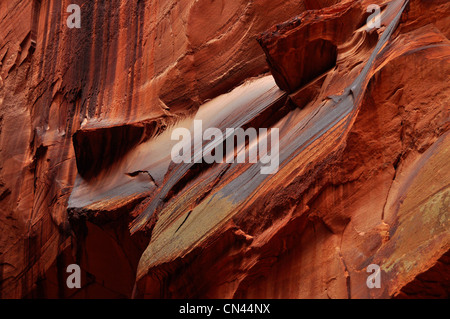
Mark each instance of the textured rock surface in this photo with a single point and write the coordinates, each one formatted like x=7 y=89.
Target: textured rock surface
x=312 y=36
x=86 y=175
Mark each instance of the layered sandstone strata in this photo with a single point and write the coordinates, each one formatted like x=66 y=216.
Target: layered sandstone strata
x=86 y=174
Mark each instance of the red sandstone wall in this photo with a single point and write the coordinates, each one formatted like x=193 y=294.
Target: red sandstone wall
x=359 y=183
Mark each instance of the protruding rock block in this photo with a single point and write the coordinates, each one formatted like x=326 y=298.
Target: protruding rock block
x=97 y=146
x=305 y=47
x=363 y=149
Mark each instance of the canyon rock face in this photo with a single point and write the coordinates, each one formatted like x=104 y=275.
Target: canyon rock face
x=87 y=177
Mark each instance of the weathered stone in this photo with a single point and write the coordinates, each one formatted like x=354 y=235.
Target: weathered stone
x=86 y=174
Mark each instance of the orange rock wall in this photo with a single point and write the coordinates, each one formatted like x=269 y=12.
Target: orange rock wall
x=85 y=116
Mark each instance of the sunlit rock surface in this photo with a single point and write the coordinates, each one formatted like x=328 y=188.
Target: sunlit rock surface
x=86 y=174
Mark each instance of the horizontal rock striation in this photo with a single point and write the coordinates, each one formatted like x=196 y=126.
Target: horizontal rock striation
x=86 y=174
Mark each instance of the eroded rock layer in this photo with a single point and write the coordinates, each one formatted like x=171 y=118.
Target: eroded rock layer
x=87 y=177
